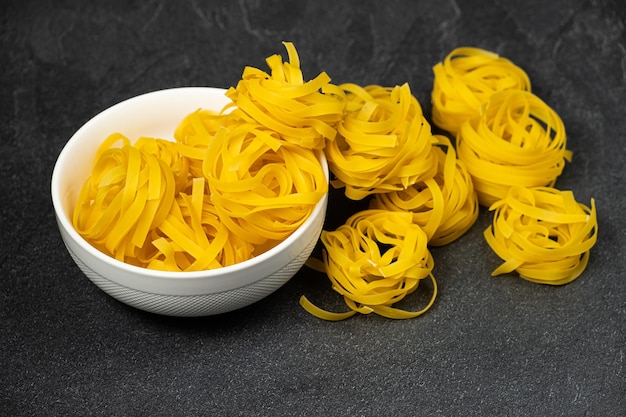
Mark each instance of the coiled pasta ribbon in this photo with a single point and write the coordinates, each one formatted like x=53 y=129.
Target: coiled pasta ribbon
x=384 y=142
x=141 y=205
x=192 y=237
x=303 y=113
x=234 y=184
x=542 y=233
x=374 y=260
x=517 y=140
x=466 y=79
x=135 y=208
x=128 y=192
x=194 y=133
x=263 y=187
x=444 y=206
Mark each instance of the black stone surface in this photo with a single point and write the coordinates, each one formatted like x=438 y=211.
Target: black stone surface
x=489 y=346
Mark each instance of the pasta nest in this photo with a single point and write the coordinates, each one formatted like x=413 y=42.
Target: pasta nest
x=516 y=140
x=262 y=186
x=466 y=79
x=542 y=233
x=383 y=143
x=140 y=206
x=302 y=112
x=445 y=206
x=374 y=260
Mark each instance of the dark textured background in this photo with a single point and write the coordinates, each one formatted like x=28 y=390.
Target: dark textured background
x=489 y=346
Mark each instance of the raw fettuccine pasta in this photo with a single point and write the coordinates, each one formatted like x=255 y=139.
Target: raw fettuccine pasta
x=517 y=140
x=194 y=133
x=445 y=206
x=140 y=206
x=374 y=260
x=303 y=113
x=127 y=193
x=542 y=233
x=192 y=237
x=234 y=183
x=263 y=187
x=466 y=79
x=384 y=142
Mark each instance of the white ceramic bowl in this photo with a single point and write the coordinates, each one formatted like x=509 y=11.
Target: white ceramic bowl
x=170 y=293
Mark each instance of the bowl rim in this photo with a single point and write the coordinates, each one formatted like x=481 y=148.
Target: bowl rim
x=65 y=223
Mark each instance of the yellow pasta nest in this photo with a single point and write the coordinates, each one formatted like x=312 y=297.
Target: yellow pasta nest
x=517 y=140
x=445 y=206
x=263 y=187
x=374 y=260
x=147 y=205
x=384 y=142
x=234 y=183
x=303 y=113
x=192 y=237
x=140 y=206
x=542 y=233
x=466 y=79
x=194 y=133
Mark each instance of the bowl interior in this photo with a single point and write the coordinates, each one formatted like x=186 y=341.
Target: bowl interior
x=155 y=114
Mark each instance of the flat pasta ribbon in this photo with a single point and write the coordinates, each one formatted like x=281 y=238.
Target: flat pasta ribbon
x=303 y=113
x=229 y=188
x=517 y=140
x=375 y=260
x=542 y=233
x=140 y=206
x=445 y=206
x=192 y=236
x=466 y=79
x=127 y=193
x=384 y=142
x=263 y=187
x=168 y=153
x=194 y=133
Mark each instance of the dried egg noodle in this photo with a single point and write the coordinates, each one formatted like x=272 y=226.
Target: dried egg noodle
x=263 y=187
x=303 y=113
x=193 y=238
x=127 y=191
x=194 y=133
x=374 y=260
x=383 y=144
x=542 y=233
x=445 y=206
x=517 y=140
x=233 y=185
x=466 y=79
x=142 y=206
